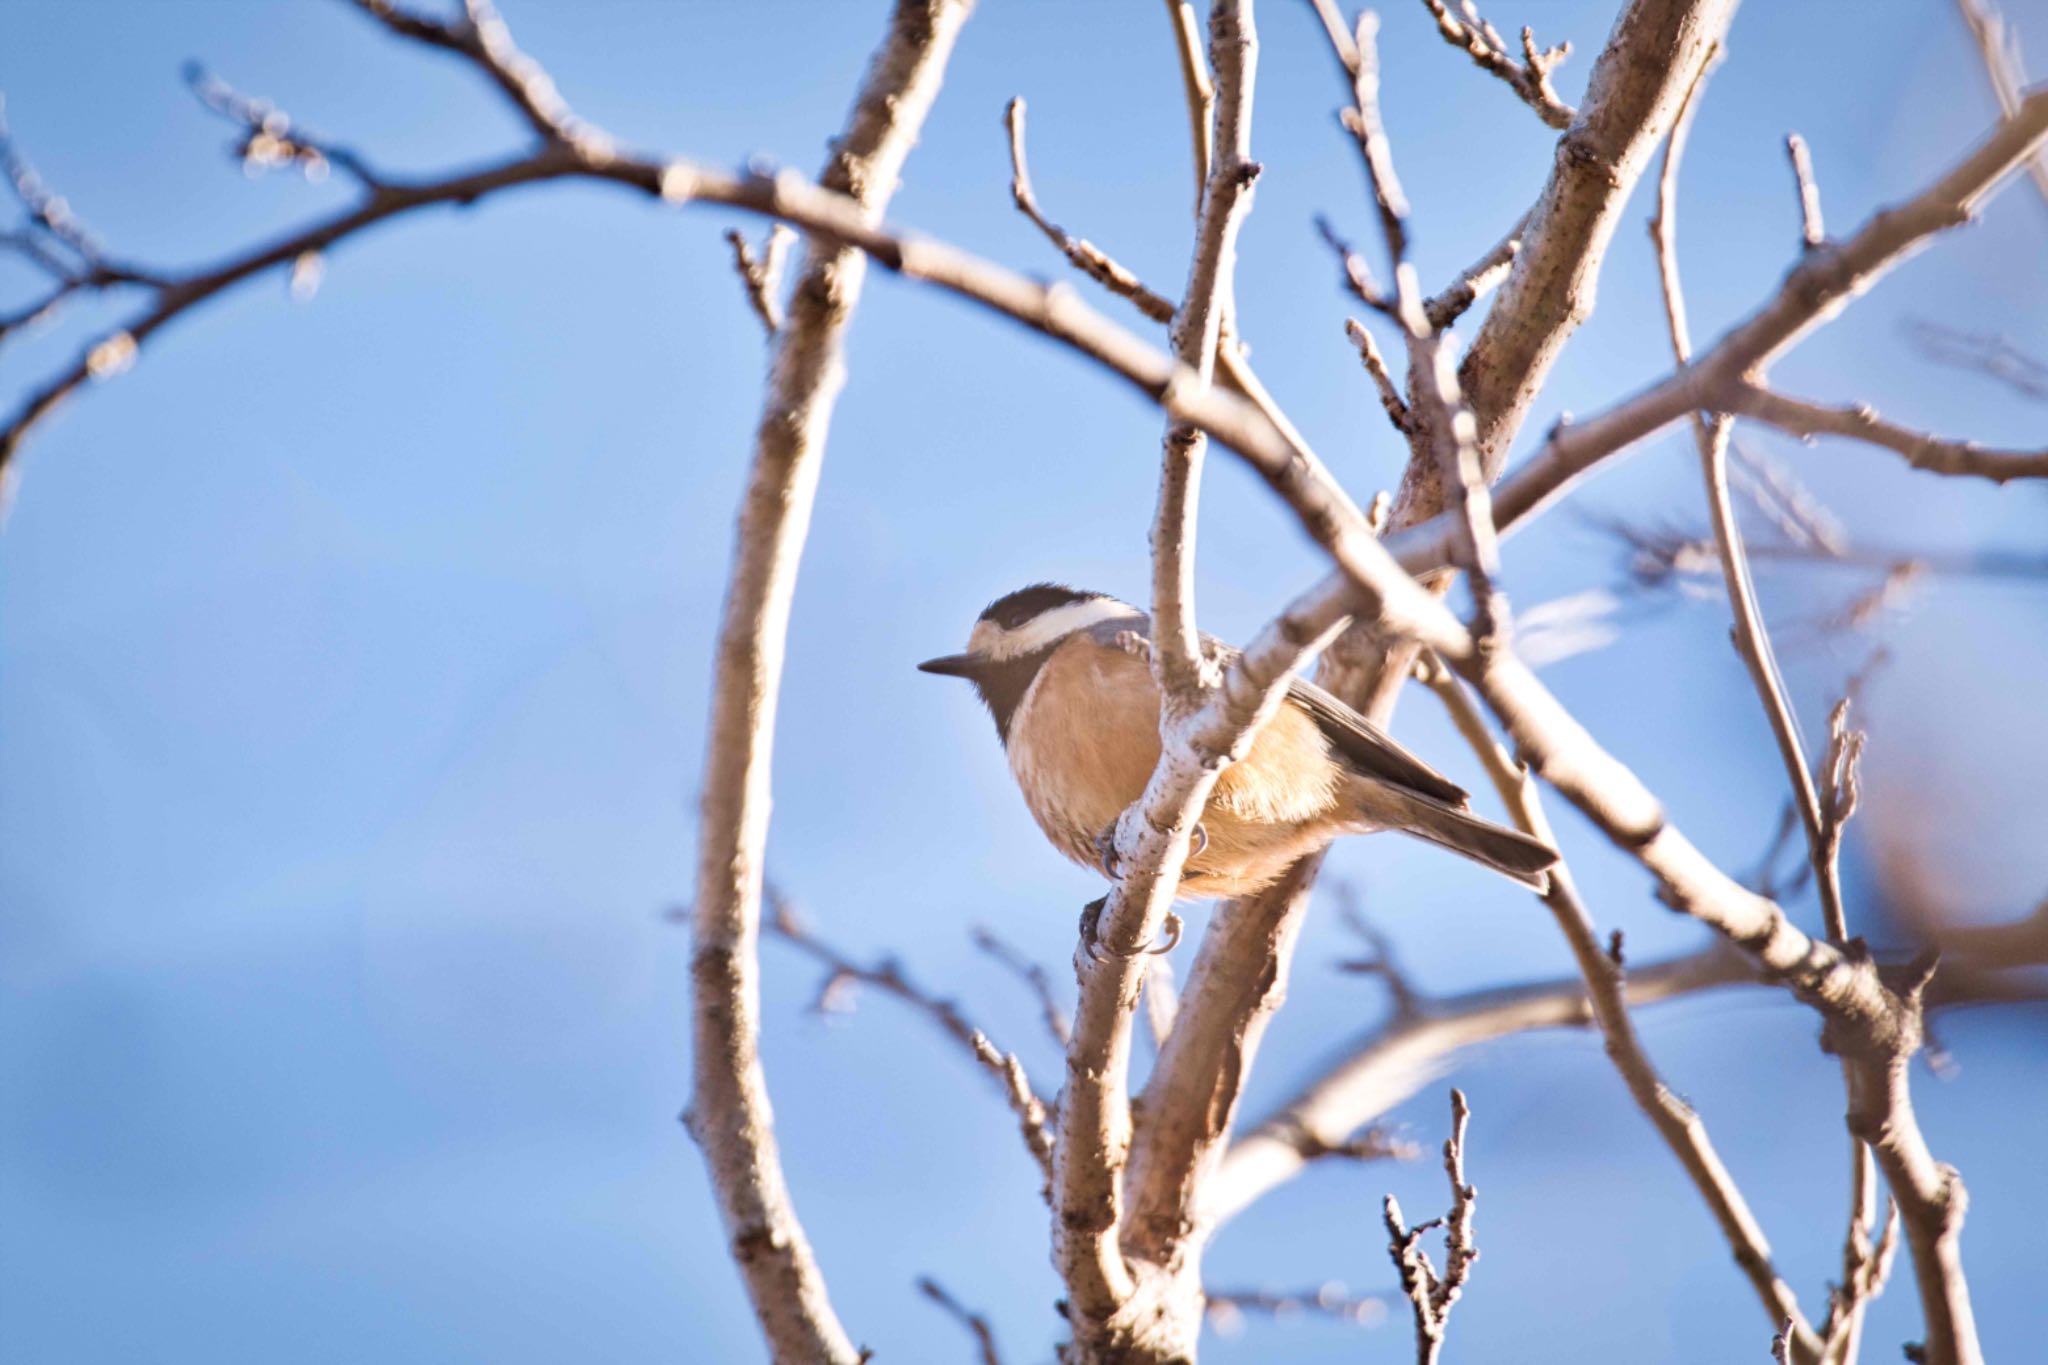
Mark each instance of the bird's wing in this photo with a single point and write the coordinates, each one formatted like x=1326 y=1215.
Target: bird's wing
x=1370 y=748
x=1366 y=746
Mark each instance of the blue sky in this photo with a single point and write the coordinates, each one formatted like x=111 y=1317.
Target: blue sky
x=354 y=657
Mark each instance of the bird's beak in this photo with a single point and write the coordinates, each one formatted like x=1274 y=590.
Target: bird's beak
x=953 y=665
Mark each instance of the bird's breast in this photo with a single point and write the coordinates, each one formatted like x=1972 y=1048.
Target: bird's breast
x=1083 y=743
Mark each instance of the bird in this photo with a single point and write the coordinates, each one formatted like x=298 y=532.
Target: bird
x=1065 y=673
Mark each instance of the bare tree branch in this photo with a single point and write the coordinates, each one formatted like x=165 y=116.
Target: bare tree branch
x=270 y=138
x=1632 y=96
x=1711 y=436
x=1989 y=355
x=1528 y=78
x=1201 y=92
x=729 y=1109
x=1151 y=839
x=1607 y=993
x=1383 y=380
x=1033 y=1113
x=481 y=39
x=1389 y=1063
x=1813 y=233
x=2000 y=46
x=1086 y=257
x=1033 y=975
x=1227 y=1308
x=1860 y=422
x=1482 y=278
x=976 y=1325
x=762 y=276
x=1818 y=286
x=1432 y=1295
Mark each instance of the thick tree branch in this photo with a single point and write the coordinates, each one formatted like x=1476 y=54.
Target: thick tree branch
x=2000 y=47
x=729 y=1110
x=1632 y=96
x=1095 y=1124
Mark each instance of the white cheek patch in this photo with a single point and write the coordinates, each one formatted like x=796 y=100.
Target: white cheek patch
x=1043 y=630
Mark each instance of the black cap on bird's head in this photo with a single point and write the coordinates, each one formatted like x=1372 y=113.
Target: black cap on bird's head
x=1017 y=633
x=1023 y=623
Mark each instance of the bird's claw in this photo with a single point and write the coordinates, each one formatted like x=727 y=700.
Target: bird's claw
x=1105 y=854
x=1098 y=951
x=1112 y=865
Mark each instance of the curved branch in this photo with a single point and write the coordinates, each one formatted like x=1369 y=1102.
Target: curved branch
x=729 y=1109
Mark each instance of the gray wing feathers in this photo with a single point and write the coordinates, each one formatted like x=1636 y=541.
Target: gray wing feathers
x=1507 y=851
x=1369 y=749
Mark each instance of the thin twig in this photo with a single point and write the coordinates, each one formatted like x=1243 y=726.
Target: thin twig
x=271 y=138
x=1383 y=380
x=1987 y=354
x=1200 y=91
x=1086 y=257
x=1033 y=975
x=1752 y=638
x=977 y=1325
x=1033 y=1112
x=1227 y=1308
x=1812 y=231
x=1711 y=437
x=1806 y=420
x=1430 y=1294
x=762 y=276
x=1476 y=282
x=1528 y=78
x=482 y=39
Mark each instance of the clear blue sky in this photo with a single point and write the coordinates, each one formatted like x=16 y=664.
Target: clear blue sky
x=354 y=655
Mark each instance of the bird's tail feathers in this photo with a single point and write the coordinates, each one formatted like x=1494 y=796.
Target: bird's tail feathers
x=1508 y=852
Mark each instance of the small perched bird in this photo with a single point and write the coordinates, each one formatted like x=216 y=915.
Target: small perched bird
x=1067 y=677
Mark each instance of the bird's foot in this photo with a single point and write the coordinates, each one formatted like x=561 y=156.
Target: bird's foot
x=1098 y=951
x=1112 y=866
x=1106 y=857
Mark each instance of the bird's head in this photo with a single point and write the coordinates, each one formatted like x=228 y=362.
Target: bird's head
x=1024 y=625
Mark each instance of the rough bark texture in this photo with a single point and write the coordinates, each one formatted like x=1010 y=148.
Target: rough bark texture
x=729 y=1111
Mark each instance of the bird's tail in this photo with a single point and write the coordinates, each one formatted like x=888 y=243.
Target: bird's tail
x=1508 y=852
